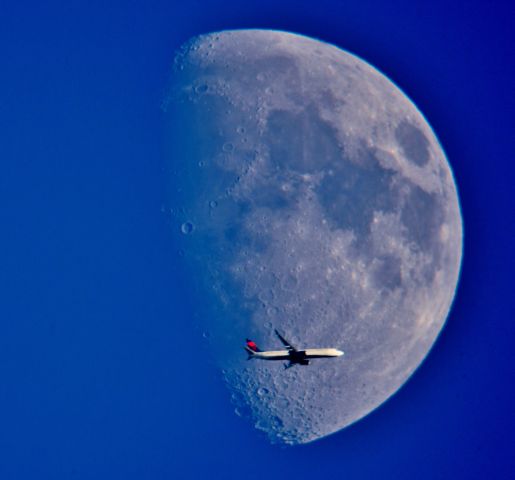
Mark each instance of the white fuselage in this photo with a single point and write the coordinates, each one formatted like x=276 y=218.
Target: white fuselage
x=307 y=353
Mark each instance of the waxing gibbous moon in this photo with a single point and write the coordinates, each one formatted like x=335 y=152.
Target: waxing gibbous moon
x=309 y=195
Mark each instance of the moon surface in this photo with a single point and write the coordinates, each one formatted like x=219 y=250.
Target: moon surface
x=310 y=195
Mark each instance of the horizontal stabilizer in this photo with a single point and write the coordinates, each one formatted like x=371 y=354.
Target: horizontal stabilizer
x=250 y=353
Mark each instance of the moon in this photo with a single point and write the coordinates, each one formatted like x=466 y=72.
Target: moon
x=310 y=195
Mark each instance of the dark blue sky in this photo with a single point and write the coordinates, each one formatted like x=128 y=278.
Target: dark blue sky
x=96 y=374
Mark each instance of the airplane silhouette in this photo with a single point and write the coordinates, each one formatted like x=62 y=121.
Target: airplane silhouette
x=291 y=354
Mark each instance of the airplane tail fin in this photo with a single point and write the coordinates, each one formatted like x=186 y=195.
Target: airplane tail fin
x=251 y=348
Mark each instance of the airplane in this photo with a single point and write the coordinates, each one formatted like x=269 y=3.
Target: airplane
x=294 y=356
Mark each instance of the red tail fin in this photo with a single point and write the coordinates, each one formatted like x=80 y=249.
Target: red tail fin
x=252 y=346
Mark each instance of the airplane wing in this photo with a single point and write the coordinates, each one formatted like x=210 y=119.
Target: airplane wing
x=287 y=344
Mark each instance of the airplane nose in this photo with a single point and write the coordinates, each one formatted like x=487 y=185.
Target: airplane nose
x=340 y=353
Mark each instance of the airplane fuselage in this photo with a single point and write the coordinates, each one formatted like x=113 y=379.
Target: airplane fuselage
x=296 y=356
